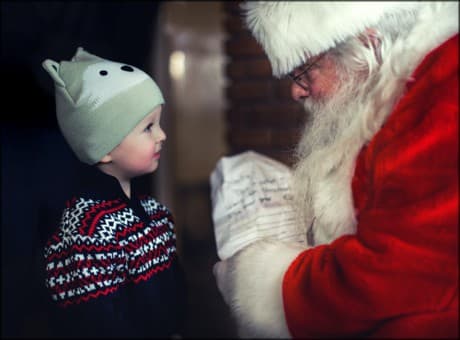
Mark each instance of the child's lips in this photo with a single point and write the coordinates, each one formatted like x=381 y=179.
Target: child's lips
x=156 y=155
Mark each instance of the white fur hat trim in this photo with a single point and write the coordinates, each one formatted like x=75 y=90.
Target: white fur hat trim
x=291 y=32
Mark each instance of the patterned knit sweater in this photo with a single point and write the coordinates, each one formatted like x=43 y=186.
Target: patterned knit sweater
x=111 y=266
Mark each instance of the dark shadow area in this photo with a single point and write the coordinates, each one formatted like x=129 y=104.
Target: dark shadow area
x=36 y=166
x=208 y=315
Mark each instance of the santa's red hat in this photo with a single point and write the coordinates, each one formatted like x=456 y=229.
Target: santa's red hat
x=292 y=31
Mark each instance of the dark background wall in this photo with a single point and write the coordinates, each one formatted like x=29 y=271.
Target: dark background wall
x=35 y=30
x=36 y=163
x=261 y=114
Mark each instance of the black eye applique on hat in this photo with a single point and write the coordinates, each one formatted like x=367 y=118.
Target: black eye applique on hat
x=127 y=68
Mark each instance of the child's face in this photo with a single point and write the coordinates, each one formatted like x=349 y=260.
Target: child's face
x=139 y=152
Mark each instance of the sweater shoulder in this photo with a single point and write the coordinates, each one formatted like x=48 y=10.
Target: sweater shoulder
x=95 y=218
x=83 y=259
x=155 y=209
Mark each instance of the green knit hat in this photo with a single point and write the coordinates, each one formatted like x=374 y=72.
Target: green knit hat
x=99 y=102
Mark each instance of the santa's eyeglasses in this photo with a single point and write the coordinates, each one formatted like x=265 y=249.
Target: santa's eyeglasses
x=302 y=78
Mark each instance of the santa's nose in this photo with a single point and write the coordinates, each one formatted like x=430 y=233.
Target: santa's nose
x=298 y=93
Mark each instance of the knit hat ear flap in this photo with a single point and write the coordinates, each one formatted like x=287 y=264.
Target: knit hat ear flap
x=83 y=55
x=52 y=68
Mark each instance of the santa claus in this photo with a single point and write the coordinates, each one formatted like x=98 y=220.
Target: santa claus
x=376 y=175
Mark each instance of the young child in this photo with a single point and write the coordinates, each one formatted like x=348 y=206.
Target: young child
x=111 y=264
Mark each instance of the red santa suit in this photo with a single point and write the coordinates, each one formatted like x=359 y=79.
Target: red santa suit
x=397 y=275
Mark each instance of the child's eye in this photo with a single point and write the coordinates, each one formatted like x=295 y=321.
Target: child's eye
x=149 y=127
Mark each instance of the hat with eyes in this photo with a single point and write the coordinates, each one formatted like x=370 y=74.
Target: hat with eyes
x=99 y=102
x=292 y=31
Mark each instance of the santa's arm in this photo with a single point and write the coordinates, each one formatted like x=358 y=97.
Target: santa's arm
x=251 y=284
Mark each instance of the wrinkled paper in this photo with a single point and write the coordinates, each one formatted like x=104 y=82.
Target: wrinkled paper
x=251 y=199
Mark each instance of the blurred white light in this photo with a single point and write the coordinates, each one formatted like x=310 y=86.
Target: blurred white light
x=177 y=64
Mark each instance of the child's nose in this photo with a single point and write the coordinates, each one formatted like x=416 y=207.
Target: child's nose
x=161 y=135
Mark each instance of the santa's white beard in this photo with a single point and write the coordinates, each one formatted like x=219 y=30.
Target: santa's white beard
x=328 y=118
x=326 y=162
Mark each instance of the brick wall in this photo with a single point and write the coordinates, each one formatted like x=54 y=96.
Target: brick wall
x=260 y=112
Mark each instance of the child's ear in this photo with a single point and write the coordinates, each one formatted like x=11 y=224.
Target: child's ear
x=106 y=159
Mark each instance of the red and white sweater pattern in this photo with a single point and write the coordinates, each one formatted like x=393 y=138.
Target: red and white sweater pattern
x=102 y=245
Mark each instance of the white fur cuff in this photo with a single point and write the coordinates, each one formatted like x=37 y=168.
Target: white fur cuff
x=257 y=273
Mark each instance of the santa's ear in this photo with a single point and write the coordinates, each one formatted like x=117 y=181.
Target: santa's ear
x=371 y=39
